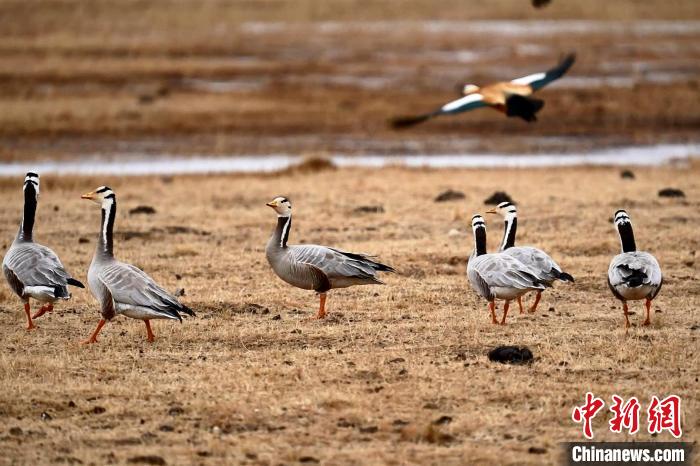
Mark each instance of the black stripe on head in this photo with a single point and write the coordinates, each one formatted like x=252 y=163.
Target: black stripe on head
x=110 y=196
x=503 y=205
x=103 y=189
x=32 y=174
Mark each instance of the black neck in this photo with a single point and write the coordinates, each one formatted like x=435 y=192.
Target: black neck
x=106 y=240
x=511 y=226
x=284 y=224
x=626 y=237
x=25 y=231
x=480 y=241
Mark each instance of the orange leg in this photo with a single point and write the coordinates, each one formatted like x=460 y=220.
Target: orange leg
x=27 y=310
x=520 y=304
x=492 y=307
x=44 y=309
x=151 y=337
x=322 y=306
x=505 y=312
x=93 y=337
x=537 y=301
x=648 y=305
x=625 y=309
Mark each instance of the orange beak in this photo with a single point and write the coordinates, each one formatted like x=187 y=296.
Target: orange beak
x=91 y=195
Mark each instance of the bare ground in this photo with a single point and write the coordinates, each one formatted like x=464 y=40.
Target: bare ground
x=251 y=380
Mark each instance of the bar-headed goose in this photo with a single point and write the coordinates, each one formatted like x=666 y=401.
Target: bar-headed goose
x=633 y=274
x=122 y=288
x=509 y=97
x=312 y=267
x=33 y=270
x=498 y=276
x=538 y=260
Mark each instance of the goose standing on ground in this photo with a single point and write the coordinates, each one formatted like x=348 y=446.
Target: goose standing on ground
x=317 y=268
x=33 y=270
x=633 y=274
x=509 y=97
x=538 y=260
x=498 y=276
x=122 y=288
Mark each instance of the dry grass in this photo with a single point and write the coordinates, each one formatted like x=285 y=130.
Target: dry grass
x=238 y=384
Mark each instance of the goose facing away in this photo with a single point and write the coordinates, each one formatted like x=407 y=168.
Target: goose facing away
x=312 y=267
x=498 y=276
x=509 y=97
x=538 y=260
x=633 y=274
x=32 y=270
x=123 y=288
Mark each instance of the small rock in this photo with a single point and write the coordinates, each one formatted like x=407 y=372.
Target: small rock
x=178 y=276
x=16 y=431
x=369 y=429
x=449 y=195
x=369 y=209
x=166 y=428
x=627 y=175
x=511 y=355
x=442 y=420
x=342 y=422
x=430 y=405
x=498 y=197
x=56 y=208
x=147 y=459
x=98 y=410
x=277 y=317
x=308 y=459
x=83 y=240
x=142 y=209
x=176 y=411
x=46 y=416
x=537 y=450
x=71 y=404
x=396 y=360
x=671 y=192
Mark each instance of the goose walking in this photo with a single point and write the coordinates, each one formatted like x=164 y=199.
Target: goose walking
x=123 y=288
x=32 y=270
x=538 y=260
x=509 y=97
x=312 y=267
x=498 y=276
x=633 y=274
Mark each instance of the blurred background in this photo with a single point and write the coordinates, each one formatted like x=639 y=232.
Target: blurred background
x=297 y=77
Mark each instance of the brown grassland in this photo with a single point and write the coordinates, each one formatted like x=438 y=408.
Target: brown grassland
x=251 y=380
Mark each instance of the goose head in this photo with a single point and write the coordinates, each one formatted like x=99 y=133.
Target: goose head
x=31 y=184
x=470 y=89
x=505 y=209
x=282 y=206
x=102 y=195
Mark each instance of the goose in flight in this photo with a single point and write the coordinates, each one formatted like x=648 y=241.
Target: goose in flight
x=633 y=274
x=31 y=269
x=312 y=267
x=498 y=276
x=123 y=288
x=513 y=98
x=535 y=258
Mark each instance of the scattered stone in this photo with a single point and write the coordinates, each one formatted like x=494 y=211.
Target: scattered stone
x=178 y=276
x=537 y=450
x=251 y=456
x=695 y=327
x=176 y=411
x=627 y=175
x=71 y=404
x=671 y=192
x=498 y=197
x=16 y=431
x=142 y=209
x=342 y=422
x=253 y=308
x=511 y=355
x=83 y=240
x=203 y=453
x=400 y=423
x=430 y=405
x=403 y=372
x=396 y=360
x=442 y=420
x=56 y=208
x=308 y=459
x=46 y=416
x=166 y=428
x=67 y=460
x=98 y=410
x=369 y=429
x=277 y=317
x=449 y=195
x=147 y=459
x=369 y=209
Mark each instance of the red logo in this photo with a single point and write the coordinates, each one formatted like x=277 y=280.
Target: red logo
x=665 y=415
x=625 y=416
x=587 y=412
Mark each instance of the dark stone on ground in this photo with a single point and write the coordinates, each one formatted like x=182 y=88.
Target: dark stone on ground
x=449 y=195
x=671 y=192
x=142 y=209
x=511 y=355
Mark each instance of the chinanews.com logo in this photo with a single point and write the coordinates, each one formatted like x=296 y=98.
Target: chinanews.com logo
x=628 y=416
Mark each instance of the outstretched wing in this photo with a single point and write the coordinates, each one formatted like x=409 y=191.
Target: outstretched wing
x=463 y=104
x=130 y=286
x=539 y=80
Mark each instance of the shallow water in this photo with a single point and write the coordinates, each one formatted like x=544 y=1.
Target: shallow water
x=167 y=164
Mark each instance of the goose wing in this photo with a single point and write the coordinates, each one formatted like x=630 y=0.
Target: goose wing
x=335 y=263
x=131 y=286
x=498 y=270
x=36 y=265
x=538 y=260
x=635 y=269
x=464 y=104
x=539 y=80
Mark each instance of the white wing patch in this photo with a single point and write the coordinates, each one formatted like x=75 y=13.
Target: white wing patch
x=465 y=101
x=527 y=80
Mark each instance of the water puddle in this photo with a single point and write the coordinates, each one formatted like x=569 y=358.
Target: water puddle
x=139 y=164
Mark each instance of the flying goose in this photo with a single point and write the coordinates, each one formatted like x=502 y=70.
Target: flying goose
x=33 y=270
x=498 y=276
x=538 y=260
x=633 y=274
x=122 y=288
x=510 y=97
x=312 y=267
